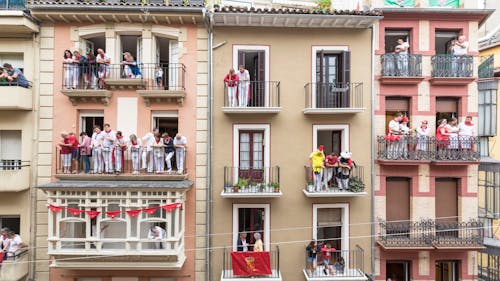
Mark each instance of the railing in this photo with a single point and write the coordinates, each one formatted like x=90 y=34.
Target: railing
x=334 y=95
x=430 y=233
x=451 y=66
x=329 y=180
x=153 y=76
x=15 y=83
x=342 y=264
x=402 y=65
x=488 y=273
x=227 y=270
x=127 y=167
x=12 y=5
x=15 y=267
x=252 y=180
x=459 y=148
x=9 y=165
x=486 y=69
x=260 y=94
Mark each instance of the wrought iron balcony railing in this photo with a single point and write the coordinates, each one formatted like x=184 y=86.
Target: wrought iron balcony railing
x=486 y=67
x=259 y=94
x=444 y=66
x=251 y=180
x=334 y=95
x=12 y=5
x=343 y=264
x=227 y=268
x=330 y=180
x=402 y=65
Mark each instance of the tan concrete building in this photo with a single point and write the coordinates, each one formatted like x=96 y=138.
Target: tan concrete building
x=310 y=85
x=19 y=110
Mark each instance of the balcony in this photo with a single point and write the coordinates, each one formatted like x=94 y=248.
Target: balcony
x=15 y=175
x=251 y=182
x=486 y=67
x=344 y=265
x=15 y=97
x=430 y=234
x=452 y=70
x=401 y=69
x=15 y=268
x=106 y=228
x=333 y=98
x=14 y=20
x=126 y=172
x=264 y=97
x=415 y=150
x=330 y=188
x=163 y=83
x=86 y=88
x=269 y=260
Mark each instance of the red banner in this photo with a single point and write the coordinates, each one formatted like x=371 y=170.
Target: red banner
x=55 y=208
x=133 y=213
x=113 y=214
x=75 y=212
x=251 y=263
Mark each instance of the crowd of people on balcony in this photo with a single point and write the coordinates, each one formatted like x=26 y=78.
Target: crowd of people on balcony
x=330 y=169
x=12 y=76
x=10 y=243
x=238 y=87
x=107 y=147
x=452 y=138
x=324 y=252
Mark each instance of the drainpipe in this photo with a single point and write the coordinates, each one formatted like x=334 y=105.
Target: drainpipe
x=372 y=133
x=208 y=21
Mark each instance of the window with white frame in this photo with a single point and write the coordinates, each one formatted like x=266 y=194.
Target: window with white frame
x=251 y=151
x=10 y=149
x=334 y=138
x=255 y=59
x=251 y=219
x=113 y=228
x=89 y=119
x=331 y=225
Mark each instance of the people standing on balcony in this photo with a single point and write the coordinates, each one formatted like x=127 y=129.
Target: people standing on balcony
x=231 y=82
x=13 y=244
x=393 y=137
x=331 y=162
x=96 y=145
x=405 y=135
x=148 y=156
x=317 y=158
x=130 y=67
x=242 y=243
x=68 y=69
x=159 y=154
x=180 y=145
x=65 y=147
x=258 y=246
x=327 y=250
x=103 y=70
x=77 y=65
x=89 y=71
x=452 y=128
x=344 y=170
x=16 y=76
x=109 y=138
x=135 y=147
x=169 y=151
x=74 y=151
x=459 y=61
x=85 y=151
x=467 y=132
x=402 y=59
x=312 y=252
x=442 y=139
x=119 y=152
x=422 y=133
x=243 y=86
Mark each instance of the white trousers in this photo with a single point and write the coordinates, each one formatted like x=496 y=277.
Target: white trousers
x=159 y=158
x=135 y=155
x=150 y=159
x=107 y=155
x=97 y=159
x=66 y=160
x=118 y=159
x=76 y=73
x=179 y=158
x=243 y=93
x=317 y=180
x=168 y=159
x=68 y=75
x=231 y=96
x=327 y=176
x=343 y=183
x=144 y=156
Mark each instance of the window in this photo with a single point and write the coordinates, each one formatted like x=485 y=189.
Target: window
x=447 y=271
x=251 y=164
x=91 y=44
x=484 y=146
x=446 y=108
x=489 y=191
x=331 y=77
x=10 y=149
x=255 y=59
x=252 y=218
x=89 y=119
x=133 y=45
x=487 y=108
x=334 y=138
x=394 y=105
x=443 y=40
x=11 y=222
x=331 y=225
x=391 y=39
x=398 y=270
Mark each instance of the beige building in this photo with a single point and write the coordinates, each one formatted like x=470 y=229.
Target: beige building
x=309 y=85
x=19 y=110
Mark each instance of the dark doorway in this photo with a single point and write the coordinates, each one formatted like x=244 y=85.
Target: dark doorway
x=88 y=123
x=254 y=62
x=447 y=271
x=398 y=270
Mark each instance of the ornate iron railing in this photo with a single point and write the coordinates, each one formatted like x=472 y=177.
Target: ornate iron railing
x=402 y=65
x=251 y=179
x=451 y=66
x=486 y=69
x=341 y=264
x=334 y=95
x=329 y=180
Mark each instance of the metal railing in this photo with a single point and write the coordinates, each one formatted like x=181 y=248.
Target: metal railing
x=451 y=66
x=486 y=67
x=15 y=84
x=334 y=95
x=342 y=263
x=12 y=5
x=459 y=148
x=162 y=76
x=127 y=166
x=252 y=180
x=329 y=179
x=227 y=270
x=488 y=273
x=430 y=233
x=402 y=65
x=260 y=94
x=10 y=165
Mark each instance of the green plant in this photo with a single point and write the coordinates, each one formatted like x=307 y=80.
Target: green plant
x=309 y=182
x=356 y=184
x=323 y=5
x=242 y=183
x=275 y=185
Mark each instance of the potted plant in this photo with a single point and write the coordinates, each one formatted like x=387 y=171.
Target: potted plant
x=227 y=187
x=242 y=184
x=356 y=184
x=262 y=186
x=276 y=186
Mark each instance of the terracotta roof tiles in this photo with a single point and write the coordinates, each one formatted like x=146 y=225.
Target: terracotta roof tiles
x=194 y=4
x=296 y=11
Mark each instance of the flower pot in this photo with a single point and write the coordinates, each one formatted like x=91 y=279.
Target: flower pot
x=276 y=189
x=235 y=189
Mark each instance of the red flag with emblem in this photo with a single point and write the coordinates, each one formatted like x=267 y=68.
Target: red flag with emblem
x=150 y=211
x=113 y=214
x=251 y=263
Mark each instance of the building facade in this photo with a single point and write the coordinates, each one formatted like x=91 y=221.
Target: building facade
x=425 y=185
x=309 y=86
x=19 y=110
x=120 y=221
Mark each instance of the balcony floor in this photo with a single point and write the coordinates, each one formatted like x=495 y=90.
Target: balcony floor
x=251 y=110
x=119 y=263
x=251 y=194
x=333 y=193
x=253 y=278
x=123 y=177
x=351 y=274
x=314 y=111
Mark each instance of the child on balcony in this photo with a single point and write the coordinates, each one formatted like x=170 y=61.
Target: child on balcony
x=159 y=77
x=135 y=147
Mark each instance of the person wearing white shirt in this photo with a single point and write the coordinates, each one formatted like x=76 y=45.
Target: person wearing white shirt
x=459 y=49
x=394 y=131
x=107 y=147
x=135 y=147
x=13 y=244
x=466 y=132
x=402 y=59
x=103 y=70
x=96 y=145
x=422 y=139
x=157 y=233
x=180 y=145
x=405 y=134
x=148 y=155
x=243 y=86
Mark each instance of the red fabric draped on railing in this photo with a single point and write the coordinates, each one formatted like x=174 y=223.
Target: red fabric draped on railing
x=251 y=263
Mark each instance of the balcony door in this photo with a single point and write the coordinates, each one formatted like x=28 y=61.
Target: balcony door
x=90 y=119
x=255 y=62
x=398 y=208
x=251 y=155
x=331 y=225
x=332 y=79
x=398 y=270
x=446 y=208
x=447 y=271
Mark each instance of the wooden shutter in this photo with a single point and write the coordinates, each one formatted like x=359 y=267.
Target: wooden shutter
x=397 y=199
x=446 y=105
x=446 y=200
x=397 y=104
x=345 y=74
x=261 y=67
x=241 y=59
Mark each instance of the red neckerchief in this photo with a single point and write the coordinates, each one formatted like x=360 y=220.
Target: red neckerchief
x=157 y=140
x=107 y=131
x=168 y=138
x=423 y=127
x=468 y=123
x=134 y=143
x=102 y=56
x=119 y=137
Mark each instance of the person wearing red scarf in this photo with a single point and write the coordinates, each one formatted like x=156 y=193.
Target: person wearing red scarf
x=107 y=148
x=159 y=154
x=135 y=147
x=423 y=133
x=442 y=138
x=466 y=134
x=65 y=147
x=119 y=151
x=74 y=151
x=103 y=62
x=231 y=82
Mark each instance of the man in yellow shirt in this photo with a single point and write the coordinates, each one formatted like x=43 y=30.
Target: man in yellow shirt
x=317 y=159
